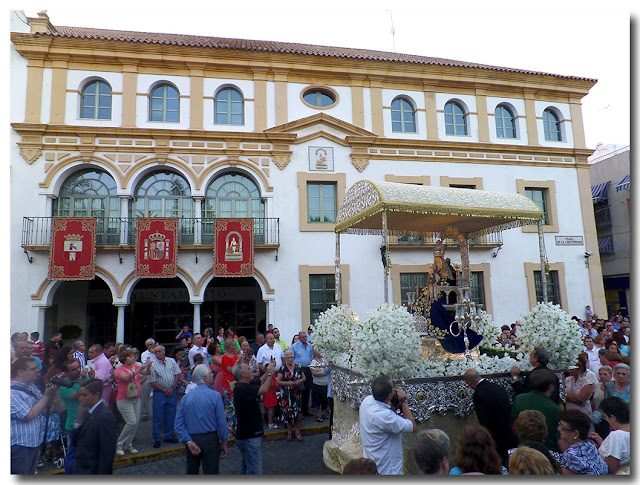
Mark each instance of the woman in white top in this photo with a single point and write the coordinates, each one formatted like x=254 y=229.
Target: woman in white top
x=578 y=387
x=615 y=449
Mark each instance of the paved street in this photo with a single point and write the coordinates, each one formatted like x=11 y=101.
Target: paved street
x=279 y=457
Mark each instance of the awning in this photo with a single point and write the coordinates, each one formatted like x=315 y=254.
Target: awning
x=425 y=210
x=599 y=192
x=625 y=183
x=605 y=244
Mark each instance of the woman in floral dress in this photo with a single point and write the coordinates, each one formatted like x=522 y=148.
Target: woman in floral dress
x=289 y=379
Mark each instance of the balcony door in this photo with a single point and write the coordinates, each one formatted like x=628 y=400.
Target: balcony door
x=91 y=193
x=233 y=195
x=165 y=194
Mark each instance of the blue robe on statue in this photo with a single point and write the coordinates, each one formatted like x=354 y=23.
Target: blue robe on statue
x=441 y=318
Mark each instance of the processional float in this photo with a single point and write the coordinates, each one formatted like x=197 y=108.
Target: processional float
x=439 y=214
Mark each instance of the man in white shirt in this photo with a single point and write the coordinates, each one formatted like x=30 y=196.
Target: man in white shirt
x=381 y=428
x=267 y=352
x=592 y=352
x=197 y=349
x=147 y=356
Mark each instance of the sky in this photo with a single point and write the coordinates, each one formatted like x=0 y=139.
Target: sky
x=581 y=38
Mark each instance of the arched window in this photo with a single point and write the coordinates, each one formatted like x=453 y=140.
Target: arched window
x=229 y=107
x=165 y=194
x=165 y=104
x=403 y=117
x=233 y=195
x=505 y=122
x=91 y=193
x=551 y=123
x=95 y=101
x=455 y=119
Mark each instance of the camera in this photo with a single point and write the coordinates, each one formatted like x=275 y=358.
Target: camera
x=395 y=401
x=61 y=382
x=587 y=254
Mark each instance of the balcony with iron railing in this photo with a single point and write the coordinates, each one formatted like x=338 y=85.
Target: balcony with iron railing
x=603 y=216
x=492 y=240
x=117 y=232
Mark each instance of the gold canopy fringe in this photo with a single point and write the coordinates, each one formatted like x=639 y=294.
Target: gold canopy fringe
x=520 y=219
x=437 y=235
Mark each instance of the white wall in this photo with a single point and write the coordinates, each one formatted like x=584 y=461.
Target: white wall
x=518 y=109
x=469 y=105
x=566 y=128
x=76 y=81
x=145 y=83
x=297 y=109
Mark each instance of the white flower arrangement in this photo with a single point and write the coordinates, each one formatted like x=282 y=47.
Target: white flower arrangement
x=333 y=333
x=548 y=326
x=489 y=331
x=386 y=342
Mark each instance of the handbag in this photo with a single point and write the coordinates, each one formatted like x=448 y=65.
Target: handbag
x=132 y=388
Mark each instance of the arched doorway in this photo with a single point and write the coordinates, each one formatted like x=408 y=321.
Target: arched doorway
x=235 y=302
x=87 y=305
x=158 y=308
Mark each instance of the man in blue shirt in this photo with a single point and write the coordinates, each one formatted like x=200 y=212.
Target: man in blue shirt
x=184 y=333
x=201 y=424
x=303 y=355
x=28 y=407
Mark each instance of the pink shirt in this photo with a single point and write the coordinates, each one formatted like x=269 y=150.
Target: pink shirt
x=103 y=368
x=122 y=385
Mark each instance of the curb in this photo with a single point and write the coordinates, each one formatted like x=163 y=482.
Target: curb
x=176 y=450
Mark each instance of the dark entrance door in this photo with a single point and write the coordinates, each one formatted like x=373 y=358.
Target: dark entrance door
x=159 y=308
x=84 y=306
x=235 y=302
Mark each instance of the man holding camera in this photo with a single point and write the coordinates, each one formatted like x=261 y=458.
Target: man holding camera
x=381 y=427
x=71 y=398
x=27 y=416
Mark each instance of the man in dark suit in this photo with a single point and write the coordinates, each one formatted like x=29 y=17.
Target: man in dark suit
x=94 y=434
x=492 y=408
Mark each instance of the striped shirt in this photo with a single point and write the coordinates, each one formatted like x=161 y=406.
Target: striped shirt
x=164 y=373
x=25 y=433
x=81 y=358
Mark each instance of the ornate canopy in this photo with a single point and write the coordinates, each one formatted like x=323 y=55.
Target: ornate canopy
x=423 y=210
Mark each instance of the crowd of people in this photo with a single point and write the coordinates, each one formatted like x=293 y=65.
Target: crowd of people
x=536 y=434
x=83 y=406
x=170 y=387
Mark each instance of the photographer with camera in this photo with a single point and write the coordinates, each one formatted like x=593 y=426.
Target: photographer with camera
x=69 y=393
x=28 y=405
x=381 y=427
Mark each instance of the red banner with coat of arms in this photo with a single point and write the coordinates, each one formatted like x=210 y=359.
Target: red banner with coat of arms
x=233 y=247
x=73 y=248
x=156 y=247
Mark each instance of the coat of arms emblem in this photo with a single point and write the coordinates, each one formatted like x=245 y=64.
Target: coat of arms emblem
x=156 y=247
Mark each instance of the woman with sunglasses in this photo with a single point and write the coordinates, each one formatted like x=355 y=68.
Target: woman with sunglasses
x=580 y=456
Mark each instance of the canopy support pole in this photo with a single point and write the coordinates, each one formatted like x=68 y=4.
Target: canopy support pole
x=543 y=274
x=387 y=258
x=338 y=283
x=463 y=242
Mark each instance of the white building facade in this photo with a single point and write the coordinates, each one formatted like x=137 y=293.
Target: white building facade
x=120 y=125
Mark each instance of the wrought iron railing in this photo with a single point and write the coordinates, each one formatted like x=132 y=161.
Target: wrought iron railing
x=603 y=216
x=118 y=231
